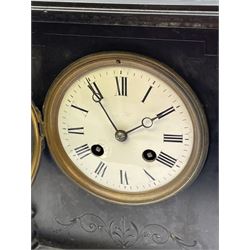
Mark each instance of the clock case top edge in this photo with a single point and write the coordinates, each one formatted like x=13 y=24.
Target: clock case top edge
x=143 y=15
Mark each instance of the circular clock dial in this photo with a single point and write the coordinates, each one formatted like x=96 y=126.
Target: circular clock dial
x=125 y=128
x=131 y=97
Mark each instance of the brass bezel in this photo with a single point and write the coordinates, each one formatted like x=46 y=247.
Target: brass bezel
x=87 y=63
x=37 y=143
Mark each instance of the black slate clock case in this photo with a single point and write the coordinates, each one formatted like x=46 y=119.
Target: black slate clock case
x=183 y=37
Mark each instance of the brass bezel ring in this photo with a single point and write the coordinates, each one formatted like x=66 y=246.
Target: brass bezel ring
x=37 y=144
x=90 y=62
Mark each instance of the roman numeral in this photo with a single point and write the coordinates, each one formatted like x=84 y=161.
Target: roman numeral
x=146 y=95
x=82 y=151
x=78 y=131
x=95 y=90
x=172 y=138
x=165 y=112
x=101 y=168
x=123 y=177
x=166 y=159
x=150 y=176
x=84 y=110
x=121 y=84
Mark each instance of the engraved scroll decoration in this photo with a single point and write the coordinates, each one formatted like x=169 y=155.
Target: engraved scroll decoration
x=127 y=234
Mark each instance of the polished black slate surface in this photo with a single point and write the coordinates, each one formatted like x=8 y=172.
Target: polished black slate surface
x=67 y=216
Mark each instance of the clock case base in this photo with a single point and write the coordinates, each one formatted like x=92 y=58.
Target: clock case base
x=67 y=217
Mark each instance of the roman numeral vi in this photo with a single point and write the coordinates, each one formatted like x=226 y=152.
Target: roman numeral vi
x=123 y=177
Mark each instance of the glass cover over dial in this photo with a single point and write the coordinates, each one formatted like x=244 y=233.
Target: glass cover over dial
x=148 y=156
x=127 y=126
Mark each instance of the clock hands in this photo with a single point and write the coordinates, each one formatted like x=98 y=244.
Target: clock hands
x=108 y=116
x=164 y=113
x=147 y=122
x=121 y=135
x=97 y=97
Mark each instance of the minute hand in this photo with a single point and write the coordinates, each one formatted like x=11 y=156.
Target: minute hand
x=97 y=97
x=148 y=122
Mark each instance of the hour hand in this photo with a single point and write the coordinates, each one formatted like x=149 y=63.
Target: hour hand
x=148 y=122
x=164 y=113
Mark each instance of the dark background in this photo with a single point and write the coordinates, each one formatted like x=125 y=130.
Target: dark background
x=67 y=216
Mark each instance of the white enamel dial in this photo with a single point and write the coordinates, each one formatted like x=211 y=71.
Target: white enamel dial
x=157 y=133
